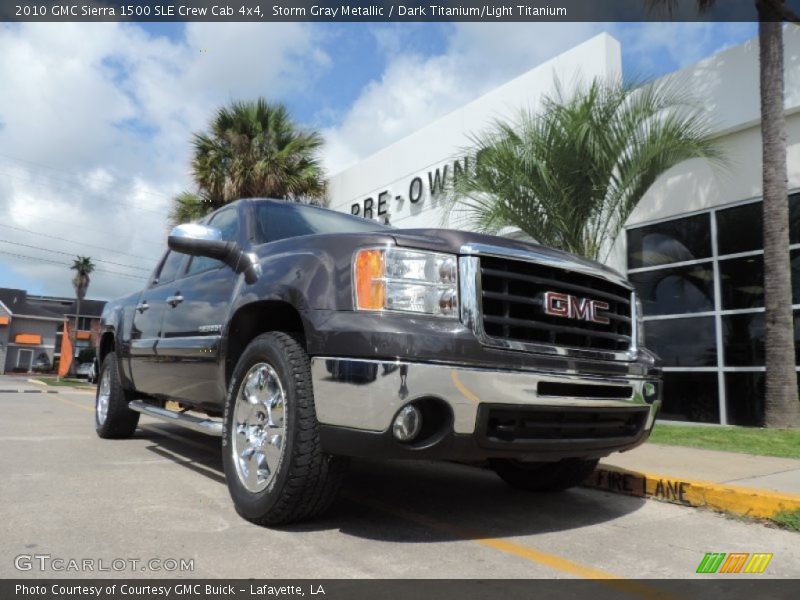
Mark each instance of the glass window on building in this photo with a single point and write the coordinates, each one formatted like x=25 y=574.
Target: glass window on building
x=745 y=398
x=670 y=242
x=740 y=229
x=683 y=342
x=742 y=282
x=690 y=397
x=675 y=290
x=743 y=339
x=718 y=297
x=794 y=218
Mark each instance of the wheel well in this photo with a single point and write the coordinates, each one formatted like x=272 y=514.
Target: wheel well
x=254 y=319
x=106 y=346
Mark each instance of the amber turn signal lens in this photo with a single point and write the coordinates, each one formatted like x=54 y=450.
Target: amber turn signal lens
x=370 y=288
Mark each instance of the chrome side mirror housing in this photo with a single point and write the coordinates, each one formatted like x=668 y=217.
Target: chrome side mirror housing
x=195 y=231
x=201 y=240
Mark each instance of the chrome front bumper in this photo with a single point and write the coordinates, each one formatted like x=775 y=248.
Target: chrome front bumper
x=367 y=394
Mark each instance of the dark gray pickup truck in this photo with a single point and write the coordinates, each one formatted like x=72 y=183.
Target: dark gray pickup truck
x=305 y=336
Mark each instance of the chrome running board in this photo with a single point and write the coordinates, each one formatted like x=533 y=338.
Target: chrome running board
x=199 y=424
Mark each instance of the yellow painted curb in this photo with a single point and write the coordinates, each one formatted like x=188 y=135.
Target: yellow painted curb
x=747 y=502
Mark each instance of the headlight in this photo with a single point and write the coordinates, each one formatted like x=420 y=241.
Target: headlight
x=639 y=323
x=406 y=281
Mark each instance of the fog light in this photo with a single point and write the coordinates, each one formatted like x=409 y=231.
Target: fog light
x=650 y=392
x=407 y=423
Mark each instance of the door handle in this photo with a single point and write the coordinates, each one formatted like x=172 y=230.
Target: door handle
x=173 y=301
x=143 y=306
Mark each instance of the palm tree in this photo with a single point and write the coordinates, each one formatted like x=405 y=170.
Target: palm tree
x=82 y=266
x=570 y=176
x=781 y=406
x=251 y=149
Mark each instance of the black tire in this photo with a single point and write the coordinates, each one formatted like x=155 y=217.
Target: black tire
x=543 y=477
x=305 y=481
x=120 y=421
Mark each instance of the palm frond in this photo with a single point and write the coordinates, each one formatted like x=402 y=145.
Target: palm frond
x=571 y=175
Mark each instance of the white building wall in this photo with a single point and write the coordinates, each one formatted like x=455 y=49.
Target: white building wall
x=728 y=86
x=393 y=169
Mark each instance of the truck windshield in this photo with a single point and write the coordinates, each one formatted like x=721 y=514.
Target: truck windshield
x=276 y=221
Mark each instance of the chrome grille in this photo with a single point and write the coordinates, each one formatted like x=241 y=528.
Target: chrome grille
x=512 y=304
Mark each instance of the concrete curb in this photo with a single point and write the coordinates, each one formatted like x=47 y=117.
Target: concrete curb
x=722 y=497
x=16 y=391
x=37 y=382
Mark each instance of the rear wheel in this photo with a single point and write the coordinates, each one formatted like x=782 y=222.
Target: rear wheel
x=274 y=464
x=113 y=419
x=543 y=477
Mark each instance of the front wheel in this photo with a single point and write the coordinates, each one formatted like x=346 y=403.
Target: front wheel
x=274 y=464
x=543 y=477
x=113 y=419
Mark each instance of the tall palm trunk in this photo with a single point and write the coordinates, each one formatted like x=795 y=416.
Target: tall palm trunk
x=782 y=408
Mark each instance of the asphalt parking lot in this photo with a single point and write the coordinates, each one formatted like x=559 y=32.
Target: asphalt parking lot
x=161 y=495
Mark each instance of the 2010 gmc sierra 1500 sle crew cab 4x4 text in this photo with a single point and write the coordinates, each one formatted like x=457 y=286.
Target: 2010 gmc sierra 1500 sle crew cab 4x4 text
x=305 y=336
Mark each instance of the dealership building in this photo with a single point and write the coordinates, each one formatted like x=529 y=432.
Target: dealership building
x=692 y=248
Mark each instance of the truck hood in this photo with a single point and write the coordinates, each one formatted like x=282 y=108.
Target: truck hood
x=457 y=242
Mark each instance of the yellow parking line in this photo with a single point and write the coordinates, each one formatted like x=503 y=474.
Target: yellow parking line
x=553 y=561
x=70 y=402
x=465 y=391
x=550 y=560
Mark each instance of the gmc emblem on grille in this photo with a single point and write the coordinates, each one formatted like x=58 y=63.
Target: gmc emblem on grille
x=572 y=307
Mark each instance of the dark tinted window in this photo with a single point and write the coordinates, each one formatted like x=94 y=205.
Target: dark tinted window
x=170 y=267
x=742 y=282
x=227 y=221
x=669 y=242
x=276 y=221
x=675 y=290
x=743 y=336
x=740 y=229
x=794 y=219
x=744 y=398
x=690 y=397
x=683 y=342
x=795 y=276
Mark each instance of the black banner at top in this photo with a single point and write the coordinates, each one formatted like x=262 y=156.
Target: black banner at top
x=546 y=11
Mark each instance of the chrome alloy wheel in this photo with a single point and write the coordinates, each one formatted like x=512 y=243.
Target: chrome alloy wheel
x=259 y=427
x=103 y=396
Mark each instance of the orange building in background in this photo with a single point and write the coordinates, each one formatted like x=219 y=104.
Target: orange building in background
x=84 y=338
x=35 y=331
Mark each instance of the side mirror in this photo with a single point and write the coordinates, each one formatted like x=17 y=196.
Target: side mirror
x=198 y=240
x=202 y=240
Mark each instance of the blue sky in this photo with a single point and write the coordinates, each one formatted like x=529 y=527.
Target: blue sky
x=97 y=118
x=359 y=57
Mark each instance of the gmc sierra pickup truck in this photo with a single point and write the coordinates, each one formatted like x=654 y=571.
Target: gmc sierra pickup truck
x=304 y=336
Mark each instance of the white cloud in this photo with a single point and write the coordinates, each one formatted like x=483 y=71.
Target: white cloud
x=415 y=90
x=651 y=45
x=97 y=120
